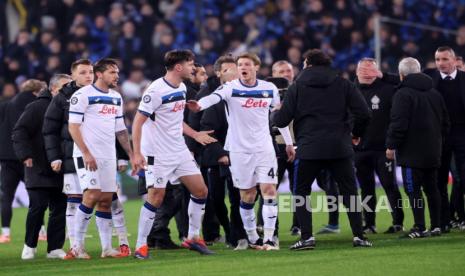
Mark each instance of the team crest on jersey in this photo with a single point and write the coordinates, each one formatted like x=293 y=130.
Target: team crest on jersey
x=74 y=100
x=265 y=94
x=159 y=180
x=93 y=181
x=146 y=98
x=375 y=102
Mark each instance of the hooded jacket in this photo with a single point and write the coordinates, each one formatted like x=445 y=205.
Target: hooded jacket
x=419 y=123
x=322 y=105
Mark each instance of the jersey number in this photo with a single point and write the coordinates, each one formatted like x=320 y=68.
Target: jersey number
x=271 y=173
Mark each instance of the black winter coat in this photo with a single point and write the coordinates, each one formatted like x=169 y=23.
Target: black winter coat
x=28 y=142
x=10 y=112
x=378 y=96
x=58 y=141
x=322 y=105
x=419 y=122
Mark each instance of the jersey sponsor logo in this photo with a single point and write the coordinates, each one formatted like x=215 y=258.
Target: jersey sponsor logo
x=108 y=110
x=252 y=103
x=74 y=100
x=178 y=106
x=146 y=98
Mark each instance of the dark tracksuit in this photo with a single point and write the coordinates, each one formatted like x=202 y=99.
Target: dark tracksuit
x=453 y=92
x=322 y=104
x=43 y=185
x=370 y=154
x=219 y=176
x=418 y=124
x=12 y=171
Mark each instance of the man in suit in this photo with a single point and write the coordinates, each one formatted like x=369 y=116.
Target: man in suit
x=450 y=82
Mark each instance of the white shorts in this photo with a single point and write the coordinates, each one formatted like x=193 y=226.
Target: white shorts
x=71 y=184
x=104 y=178
x=160 y=171
x=250 y=169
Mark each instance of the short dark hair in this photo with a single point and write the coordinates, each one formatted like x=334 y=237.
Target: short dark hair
x=223 y=59
x=82 y=61
x=446 y=49
x=176 y=57
x=103 y=64
x=317 y=57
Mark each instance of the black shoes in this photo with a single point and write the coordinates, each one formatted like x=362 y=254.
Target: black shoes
x=307 y=244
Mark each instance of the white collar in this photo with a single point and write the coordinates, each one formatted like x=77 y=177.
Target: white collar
x=452 y=75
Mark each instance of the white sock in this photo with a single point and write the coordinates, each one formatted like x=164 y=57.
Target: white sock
x=119 y=223
x=71 y=208
x=270 y=214
x=83 y=216
x=104 y=226
x=6 y=231
x=195 y=211
x=249 y=221
x=147 y=215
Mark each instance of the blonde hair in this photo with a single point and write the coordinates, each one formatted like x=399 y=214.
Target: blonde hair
x=33 y=85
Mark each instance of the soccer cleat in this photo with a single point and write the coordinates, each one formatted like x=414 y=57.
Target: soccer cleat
x=56 y=254
x=369 y=230
x=5 y=238
x=416 y=233
x=258 y=244
x=270 y=245
x=197 y=245
x=242 y=244
x=301 y=244
x=462 y=226
x=361 y=242
x=28 y=253
x=74 y=253
x=454 y=224
x=329 y=229
x=295 y=231
x=112 y=253
x=394 y=229
x=142 y=252
x=124 y=250
x=436 y=232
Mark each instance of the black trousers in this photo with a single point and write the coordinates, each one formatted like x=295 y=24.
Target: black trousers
x=326 y=182
x=219 y=179
x=343 y=173
x=12 y=173
x=173 y=203
x=39 y=200
x=414 y=181
x=457 y=211
x=454 y=146
x=210 y=223
x=367 y=163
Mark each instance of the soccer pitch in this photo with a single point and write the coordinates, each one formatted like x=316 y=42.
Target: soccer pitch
x=334 y=254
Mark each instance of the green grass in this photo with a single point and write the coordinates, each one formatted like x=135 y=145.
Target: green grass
x=334 y=254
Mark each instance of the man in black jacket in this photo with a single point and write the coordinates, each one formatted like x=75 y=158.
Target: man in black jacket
x=450 y=83
x=59 y=147
x=216 y=159
x=44 y=186
x=370 y=153
x=12 y=170
x=418 y=124
x=319 y=102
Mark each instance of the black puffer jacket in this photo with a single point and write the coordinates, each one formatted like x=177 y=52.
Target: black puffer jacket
x=28 y=142
x=10 y=112
x=419 y=122
x=322 y=105
x=58 y=141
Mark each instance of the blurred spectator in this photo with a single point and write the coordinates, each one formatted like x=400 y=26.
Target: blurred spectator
x=134 y=86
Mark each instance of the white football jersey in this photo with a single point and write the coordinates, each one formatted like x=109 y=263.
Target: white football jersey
x=101 y=116
x=248 y=110
x=163 y=136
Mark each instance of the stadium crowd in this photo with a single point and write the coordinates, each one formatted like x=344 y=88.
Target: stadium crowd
x=386 y=114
